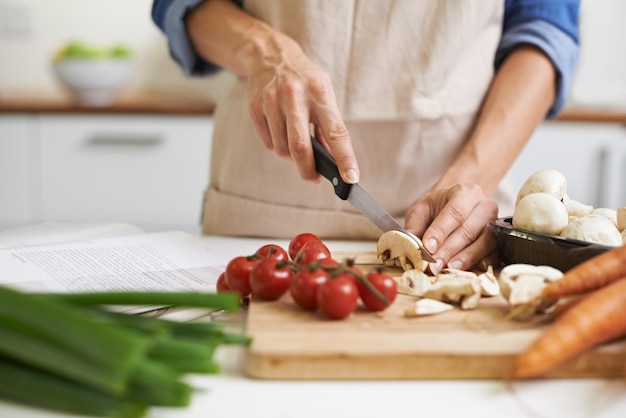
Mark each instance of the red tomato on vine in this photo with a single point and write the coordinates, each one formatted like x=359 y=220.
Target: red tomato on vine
x=384 y=284
x=272 y=250
x=298 y=241
x=312 y=251
x=237 y=274
x=305 y=285
x=270 y=278
x=339 y=297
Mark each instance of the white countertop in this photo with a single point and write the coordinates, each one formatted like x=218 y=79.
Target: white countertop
x=231 y=394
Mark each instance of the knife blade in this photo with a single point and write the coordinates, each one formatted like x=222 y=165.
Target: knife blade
x=355 y=194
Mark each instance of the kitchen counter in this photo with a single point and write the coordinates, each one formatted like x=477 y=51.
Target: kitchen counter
x=231 y=394
x=145 y=103
x=161 y=103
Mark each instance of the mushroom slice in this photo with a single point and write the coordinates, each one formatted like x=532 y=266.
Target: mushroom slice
x=621 y=219
x=459 y=291
x=427 y=306
x=397 y=249
x=414 y=282
x=489 y=283
x=454 y=273
x=522 y=286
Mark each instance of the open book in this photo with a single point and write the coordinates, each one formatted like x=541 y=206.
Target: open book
x=51 y=257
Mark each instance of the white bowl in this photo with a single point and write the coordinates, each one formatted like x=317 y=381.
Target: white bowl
x=94 y=82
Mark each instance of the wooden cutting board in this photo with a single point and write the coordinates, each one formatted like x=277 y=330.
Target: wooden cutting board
x=289 y=343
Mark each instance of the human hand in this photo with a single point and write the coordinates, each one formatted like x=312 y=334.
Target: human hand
x=452 y=223
x=286 y=93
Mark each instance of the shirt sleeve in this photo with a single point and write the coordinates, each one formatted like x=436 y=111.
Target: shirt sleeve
x=169 y=16
x=551 y=26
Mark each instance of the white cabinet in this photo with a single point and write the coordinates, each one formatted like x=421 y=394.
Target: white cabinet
x=18 y=179
x=592 y=156
x=147 y=170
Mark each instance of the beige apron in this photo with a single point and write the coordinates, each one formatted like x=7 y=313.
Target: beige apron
x=409 y=77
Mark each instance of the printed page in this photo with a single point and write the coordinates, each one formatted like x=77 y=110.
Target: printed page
x=162 y=261
x=54 y=232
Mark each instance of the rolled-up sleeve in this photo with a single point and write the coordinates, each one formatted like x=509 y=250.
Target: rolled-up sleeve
x=551 y=26
x=169 y=16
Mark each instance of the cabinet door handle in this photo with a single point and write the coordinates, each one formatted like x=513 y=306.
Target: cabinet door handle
x=124 y=140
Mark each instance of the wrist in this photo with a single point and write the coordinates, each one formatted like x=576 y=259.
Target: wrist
x=264 y=47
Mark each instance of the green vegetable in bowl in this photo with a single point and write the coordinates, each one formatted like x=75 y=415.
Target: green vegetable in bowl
x=83 y=51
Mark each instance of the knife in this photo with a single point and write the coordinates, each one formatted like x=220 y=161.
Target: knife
x=325 y=165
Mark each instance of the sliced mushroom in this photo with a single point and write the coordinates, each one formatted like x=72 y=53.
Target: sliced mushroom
x=522 y=284
x=448 y=272
x=540 y=212
x=621 y=219
x=460 y=291
x=544 y=181
x=489 y=283
x=397 y=249
x=593 y=228
x=425 y=307
x=414 y=282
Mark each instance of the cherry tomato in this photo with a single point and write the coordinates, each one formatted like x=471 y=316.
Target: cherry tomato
x=338 y=297
x=312 y=251
x=237 y=274
x=386 y=286
x=272 y=250
x=221 y=284
x=327 y=263
x=298 y=241
x=305 y=284
x=270 y=279
x=352 y=271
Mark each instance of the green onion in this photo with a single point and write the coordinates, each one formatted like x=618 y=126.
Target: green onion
x=56 y=337
x=225 y=301
x=36 y=388
x=70 y=353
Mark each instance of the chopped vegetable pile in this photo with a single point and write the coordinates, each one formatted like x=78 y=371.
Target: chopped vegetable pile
x=71 y=353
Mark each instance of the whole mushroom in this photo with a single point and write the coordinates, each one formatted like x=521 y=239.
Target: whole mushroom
x=576 y=209
x=593 y=228
x=540 y=212
x=549 y=181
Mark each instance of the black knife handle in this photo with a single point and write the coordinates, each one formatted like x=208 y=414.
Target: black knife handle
x=325 y=165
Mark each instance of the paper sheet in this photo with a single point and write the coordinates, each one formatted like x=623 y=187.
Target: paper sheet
x=163 y=261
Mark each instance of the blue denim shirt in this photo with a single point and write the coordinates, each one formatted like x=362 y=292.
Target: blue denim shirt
x=550 y=25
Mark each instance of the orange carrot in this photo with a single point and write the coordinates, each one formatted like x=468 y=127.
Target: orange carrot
x=597 y=318
x=589 y=275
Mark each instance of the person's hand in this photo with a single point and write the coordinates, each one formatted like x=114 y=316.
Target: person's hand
x=286 y=93
x=452 y=223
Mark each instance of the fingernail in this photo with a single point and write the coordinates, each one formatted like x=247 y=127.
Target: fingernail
x=436 y=266
x=455 y=264
x=431 y=245
x=352 y=176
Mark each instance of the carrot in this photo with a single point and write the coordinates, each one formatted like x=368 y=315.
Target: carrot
x=597 y=318
x=590 y=275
